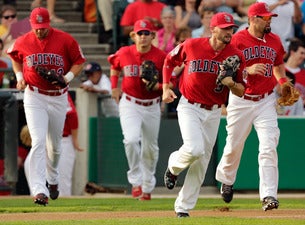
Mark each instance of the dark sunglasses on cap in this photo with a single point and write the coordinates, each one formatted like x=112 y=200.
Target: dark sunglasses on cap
x=145 y=32
x=10 y=16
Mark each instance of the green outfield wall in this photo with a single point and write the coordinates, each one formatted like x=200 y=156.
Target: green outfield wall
x=108 y=165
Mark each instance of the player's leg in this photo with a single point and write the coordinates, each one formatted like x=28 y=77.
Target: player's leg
x=131 y=121
x=189 y=193
x=268 y=133
x=150 y=148
x=37 y=121
x=239 y=124
x=57 y=109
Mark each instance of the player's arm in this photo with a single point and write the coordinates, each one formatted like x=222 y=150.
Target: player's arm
x=168 y=94
x=114 y=78
x=18 y=68
x=280 y=73
x=74 y=71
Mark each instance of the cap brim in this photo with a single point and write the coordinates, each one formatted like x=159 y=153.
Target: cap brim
x=142 y=29
x=268 y=14
x=40 y=25
x=227 y=25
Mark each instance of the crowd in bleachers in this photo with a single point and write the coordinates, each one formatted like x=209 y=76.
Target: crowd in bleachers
x=170 y=17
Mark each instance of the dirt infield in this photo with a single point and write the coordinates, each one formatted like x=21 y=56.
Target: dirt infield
x=276 y=214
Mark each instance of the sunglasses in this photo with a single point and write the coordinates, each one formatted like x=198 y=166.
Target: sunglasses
x=145 y=32
x=265 y=18
x=10 y=16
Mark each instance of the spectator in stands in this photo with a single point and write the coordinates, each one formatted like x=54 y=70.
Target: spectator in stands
x=289 y=14
x=294 y=64
x=3 y=64
x=165 y=37
x=51 y=9
x=69 y=145
x=98 y=82
x=228 y=6
x=142 y=9
x=8 y=17
x=105 y=8
x=187 y=14
x=206 y=16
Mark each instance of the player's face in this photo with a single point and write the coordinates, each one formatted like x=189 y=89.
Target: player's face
x=264 y=23
x=143 y=38
x=224 y=35
x=41 y=33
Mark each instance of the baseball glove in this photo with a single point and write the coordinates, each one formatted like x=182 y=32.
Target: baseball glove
x=228 y=68
x=51 y=76
x=149 y=72
x=289 y=96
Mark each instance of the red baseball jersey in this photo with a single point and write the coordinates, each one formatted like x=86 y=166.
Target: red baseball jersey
x=269 y=51
x=141 y=10
x=128 y=60
x=58 y=51
x=198 y=80
x=71 y=122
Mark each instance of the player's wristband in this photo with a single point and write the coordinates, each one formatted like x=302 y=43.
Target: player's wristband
x=114 y=81
x=69 y=76
x=282 y=80
x=19 y=76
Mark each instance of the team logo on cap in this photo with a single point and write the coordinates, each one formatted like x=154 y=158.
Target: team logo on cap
x=143 y=24
x=39 y=19
x=228 y=19
x=266 y=7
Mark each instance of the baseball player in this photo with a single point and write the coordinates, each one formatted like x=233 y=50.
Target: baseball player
x=69 y=146
x=44 y=102
x=139 y=108
x=264 y=54
x=199 y=108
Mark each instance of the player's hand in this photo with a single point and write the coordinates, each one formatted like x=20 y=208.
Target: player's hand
x=257 y=69
x=21 y=85
x=168 y=96
x=116 y=94
x=228 y=81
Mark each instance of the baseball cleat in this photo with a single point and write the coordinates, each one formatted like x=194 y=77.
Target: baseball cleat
x=226 y=192
x=270 y=203
x=136 y=192
x=182 y=215
x=145 y=197
x=53 y=189
x=41 y=199
x=170 y=179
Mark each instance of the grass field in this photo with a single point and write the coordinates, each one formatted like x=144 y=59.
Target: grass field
x=158 y=211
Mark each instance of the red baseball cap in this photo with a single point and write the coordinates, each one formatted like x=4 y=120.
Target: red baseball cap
x=222 y=20
x=142 y=25
x=260 y=9
x=40 y=18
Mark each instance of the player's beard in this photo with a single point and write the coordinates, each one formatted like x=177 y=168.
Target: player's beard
x=267 y=30
x=226 y=39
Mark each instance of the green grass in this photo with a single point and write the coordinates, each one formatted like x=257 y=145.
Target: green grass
x=25 y=205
